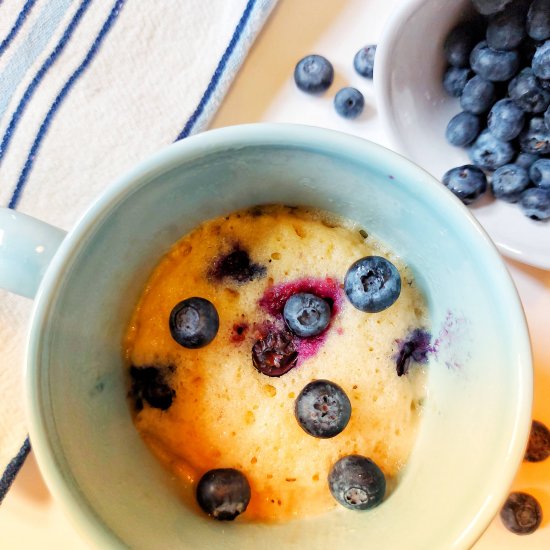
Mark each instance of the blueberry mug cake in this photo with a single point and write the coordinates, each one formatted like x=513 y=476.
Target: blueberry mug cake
x=276 y=364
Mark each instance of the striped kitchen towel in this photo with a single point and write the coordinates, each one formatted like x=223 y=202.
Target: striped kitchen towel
x=87 y=89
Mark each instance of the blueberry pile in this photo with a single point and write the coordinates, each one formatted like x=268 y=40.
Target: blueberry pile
x=314 y=74
x=499 y=68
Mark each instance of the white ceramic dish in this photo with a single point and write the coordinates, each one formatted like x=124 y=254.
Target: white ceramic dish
x=416 y=109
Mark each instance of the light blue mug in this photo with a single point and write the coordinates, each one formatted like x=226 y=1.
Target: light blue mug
x=477 y=415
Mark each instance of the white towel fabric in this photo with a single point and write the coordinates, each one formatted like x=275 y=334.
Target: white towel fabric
x=87 y=89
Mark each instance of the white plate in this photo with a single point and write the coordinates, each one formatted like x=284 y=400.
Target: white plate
x=415 y=109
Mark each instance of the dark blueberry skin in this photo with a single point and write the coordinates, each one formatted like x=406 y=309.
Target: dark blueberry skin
x=535 y=138
x=478 y=95
x=223 y=493
x=494 y=65
x=306 y=314
x=313 y=74
x=509 y=182
x=322 y=409
x=459 y=44
x=237 y=266
x=275 y=354
x=349 y=102
x=535 y=203
x=525 y=160
x=363 y=62
x=526 y=90
x=462 y=129
x=455 y=79
x=357 y=483
x=150 y=384
x=521 y=513
x=506 y=29
x=489 y=153
x=467 y=182
x=538 y=447
x=538 y=20
x=194 y=322
x=489 y=7
x=540 y=173
x=505 y=120
x=541 y=61
x=547 y=119
x=372 y=284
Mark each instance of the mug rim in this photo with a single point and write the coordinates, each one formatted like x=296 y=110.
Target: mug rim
x=329 y=142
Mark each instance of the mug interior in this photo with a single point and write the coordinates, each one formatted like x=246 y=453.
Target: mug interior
x=477 y=414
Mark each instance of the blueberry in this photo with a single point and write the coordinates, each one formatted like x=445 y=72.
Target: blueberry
x=237 y=266
x=313 y=74
x=223 y=493
x=540 y=173
x=525 y=89
x=306 y=314
x=455 y=79
x=415 y=347
x=357 y=483
x=322 y=409
x=478 y=95
x=525 y=160
x=538 y=447
x=460 y=43
x=535 y=203
x=538 y=20
x=494 y=65
x=151 y=384
x=363 y=61
x=541 y=61
x=489 y=7
x=489 y=153
x=349 y=102
x=506 y=29
x=372 y=284
x=505 y=120
x=275 y=354
x=535 y=138
x=547 y=119
x=194 y=322
x=462 y=129
x=521 y=513
x=467 y=182
x=509 y=181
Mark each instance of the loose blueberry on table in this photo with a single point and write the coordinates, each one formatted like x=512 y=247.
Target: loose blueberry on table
x=194 y=322
x=521 y=513
x=357 y=483
x=223 y=493
x=322 y=409
x=313 y=74
x=349 y=102
x=363 y=62
x=538 y=447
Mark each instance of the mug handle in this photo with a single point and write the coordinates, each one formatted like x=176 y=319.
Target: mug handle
x=27 y=246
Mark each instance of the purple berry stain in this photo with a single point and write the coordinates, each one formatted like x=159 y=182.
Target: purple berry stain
x=275 y=297
x=236 y=265
x=415 y=347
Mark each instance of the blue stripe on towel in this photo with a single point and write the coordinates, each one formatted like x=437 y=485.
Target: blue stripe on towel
x=17 y=25
x=40 y=75
x=59 y=100
x=29 y=48
x=13 y=468
x=188 y=128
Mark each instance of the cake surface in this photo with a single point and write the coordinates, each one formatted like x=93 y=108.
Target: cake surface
x=223 y=412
